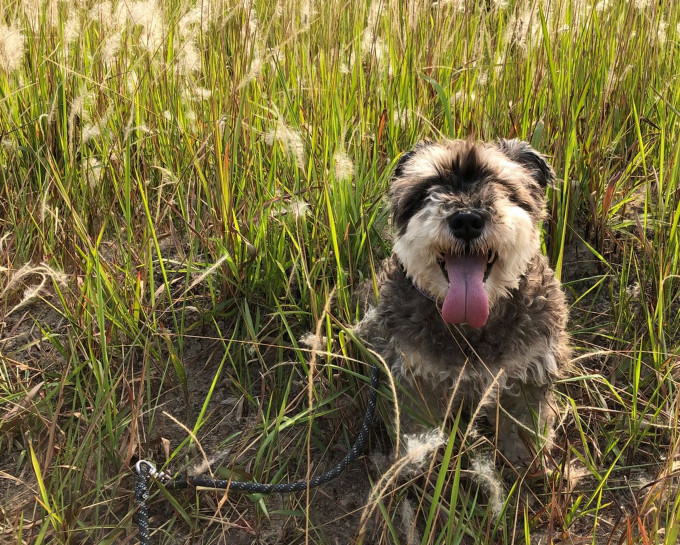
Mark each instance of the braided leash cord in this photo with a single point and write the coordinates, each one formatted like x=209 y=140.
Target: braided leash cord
x=142 y=474
x=144 y=470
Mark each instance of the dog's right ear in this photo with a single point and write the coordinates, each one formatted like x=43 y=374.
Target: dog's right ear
x=522 y=153
x=406 y=199
x=406 y=156
x=399 y=168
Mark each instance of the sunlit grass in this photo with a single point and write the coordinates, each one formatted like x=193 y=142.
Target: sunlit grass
x=184 y=188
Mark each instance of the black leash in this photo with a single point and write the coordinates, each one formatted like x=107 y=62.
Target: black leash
x=145 y=469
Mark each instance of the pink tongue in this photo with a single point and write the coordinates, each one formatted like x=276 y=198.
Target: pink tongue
x=466 y=301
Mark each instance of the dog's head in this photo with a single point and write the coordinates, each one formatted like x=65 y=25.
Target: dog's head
x=466 y=217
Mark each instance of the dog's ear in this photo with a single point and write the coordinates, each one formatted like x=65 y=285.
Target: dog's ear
x=406 y=199
x=403 y=159
x=522 y=153
x=401 y=162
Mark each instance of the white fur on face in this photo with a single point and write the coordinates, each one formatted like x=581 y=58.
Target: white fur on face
x=499 y=163
x=511 y=233
x=516 y=242
x=426 y=161
x=420 y=246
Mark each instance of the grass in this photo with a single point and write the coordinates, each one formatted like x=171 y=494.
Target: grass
x=188 y=188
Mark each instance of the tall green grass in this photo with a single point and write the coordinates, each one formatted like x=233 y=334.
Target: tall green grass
x=190 y=185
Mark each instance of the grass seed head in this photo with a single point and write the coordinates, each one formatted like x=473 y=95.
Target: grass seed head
x=344 y=166
x=101 y=12
x=603 y=5
x=523 y=28
x=111 y=48
x=149 y=15
x=255 y=70
x=201 y=93
x=641 y=5
x=252 y=28
x=401 y=116
x=661 y=33
x=187 y=57
x=299 y=209
x=78 y=108
x=290 y=140
x=94 y=170
x=307 y=12
x=12 y=44
x=93 y=130
x=72 y=29
x=457 y=6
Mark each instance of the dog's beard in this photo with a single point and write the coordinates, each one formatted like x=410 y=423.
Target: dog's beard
x=467 y=280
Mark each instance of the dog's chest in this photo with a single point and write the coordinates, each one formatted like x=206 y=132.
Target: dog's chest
x=443 y=352
x=421 y=344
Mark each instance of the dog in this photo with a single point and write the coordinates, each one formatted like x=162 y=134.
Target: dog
x=467 y=302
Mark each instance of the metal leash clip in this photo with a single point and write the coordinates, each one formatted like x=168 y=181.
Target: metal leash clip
x=151 y=471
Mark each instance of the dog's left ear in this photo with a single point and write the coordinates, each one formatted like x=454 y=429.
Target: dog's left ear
x=522 y=153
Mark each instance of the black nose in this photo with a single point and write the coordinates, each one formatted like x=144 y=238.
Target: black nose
x=467 y=225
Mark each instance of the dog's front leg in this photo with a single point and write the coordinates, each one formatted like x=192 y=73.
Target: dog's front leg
x=525 y=420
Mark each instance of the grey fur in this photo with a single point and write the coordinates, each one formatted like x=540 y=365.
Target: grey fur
x=522 y=346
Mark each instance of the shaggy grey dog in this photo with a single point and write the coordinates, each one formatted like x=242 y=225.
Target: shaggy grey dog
x=467 y=302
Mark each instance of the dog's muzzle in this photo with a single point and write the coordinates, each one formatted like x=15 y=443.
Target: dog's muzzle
x=467 y=225
x=466 y=301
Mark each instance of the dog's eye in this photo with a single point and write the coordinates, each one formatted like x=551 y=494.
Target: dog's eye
x=445 y=208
